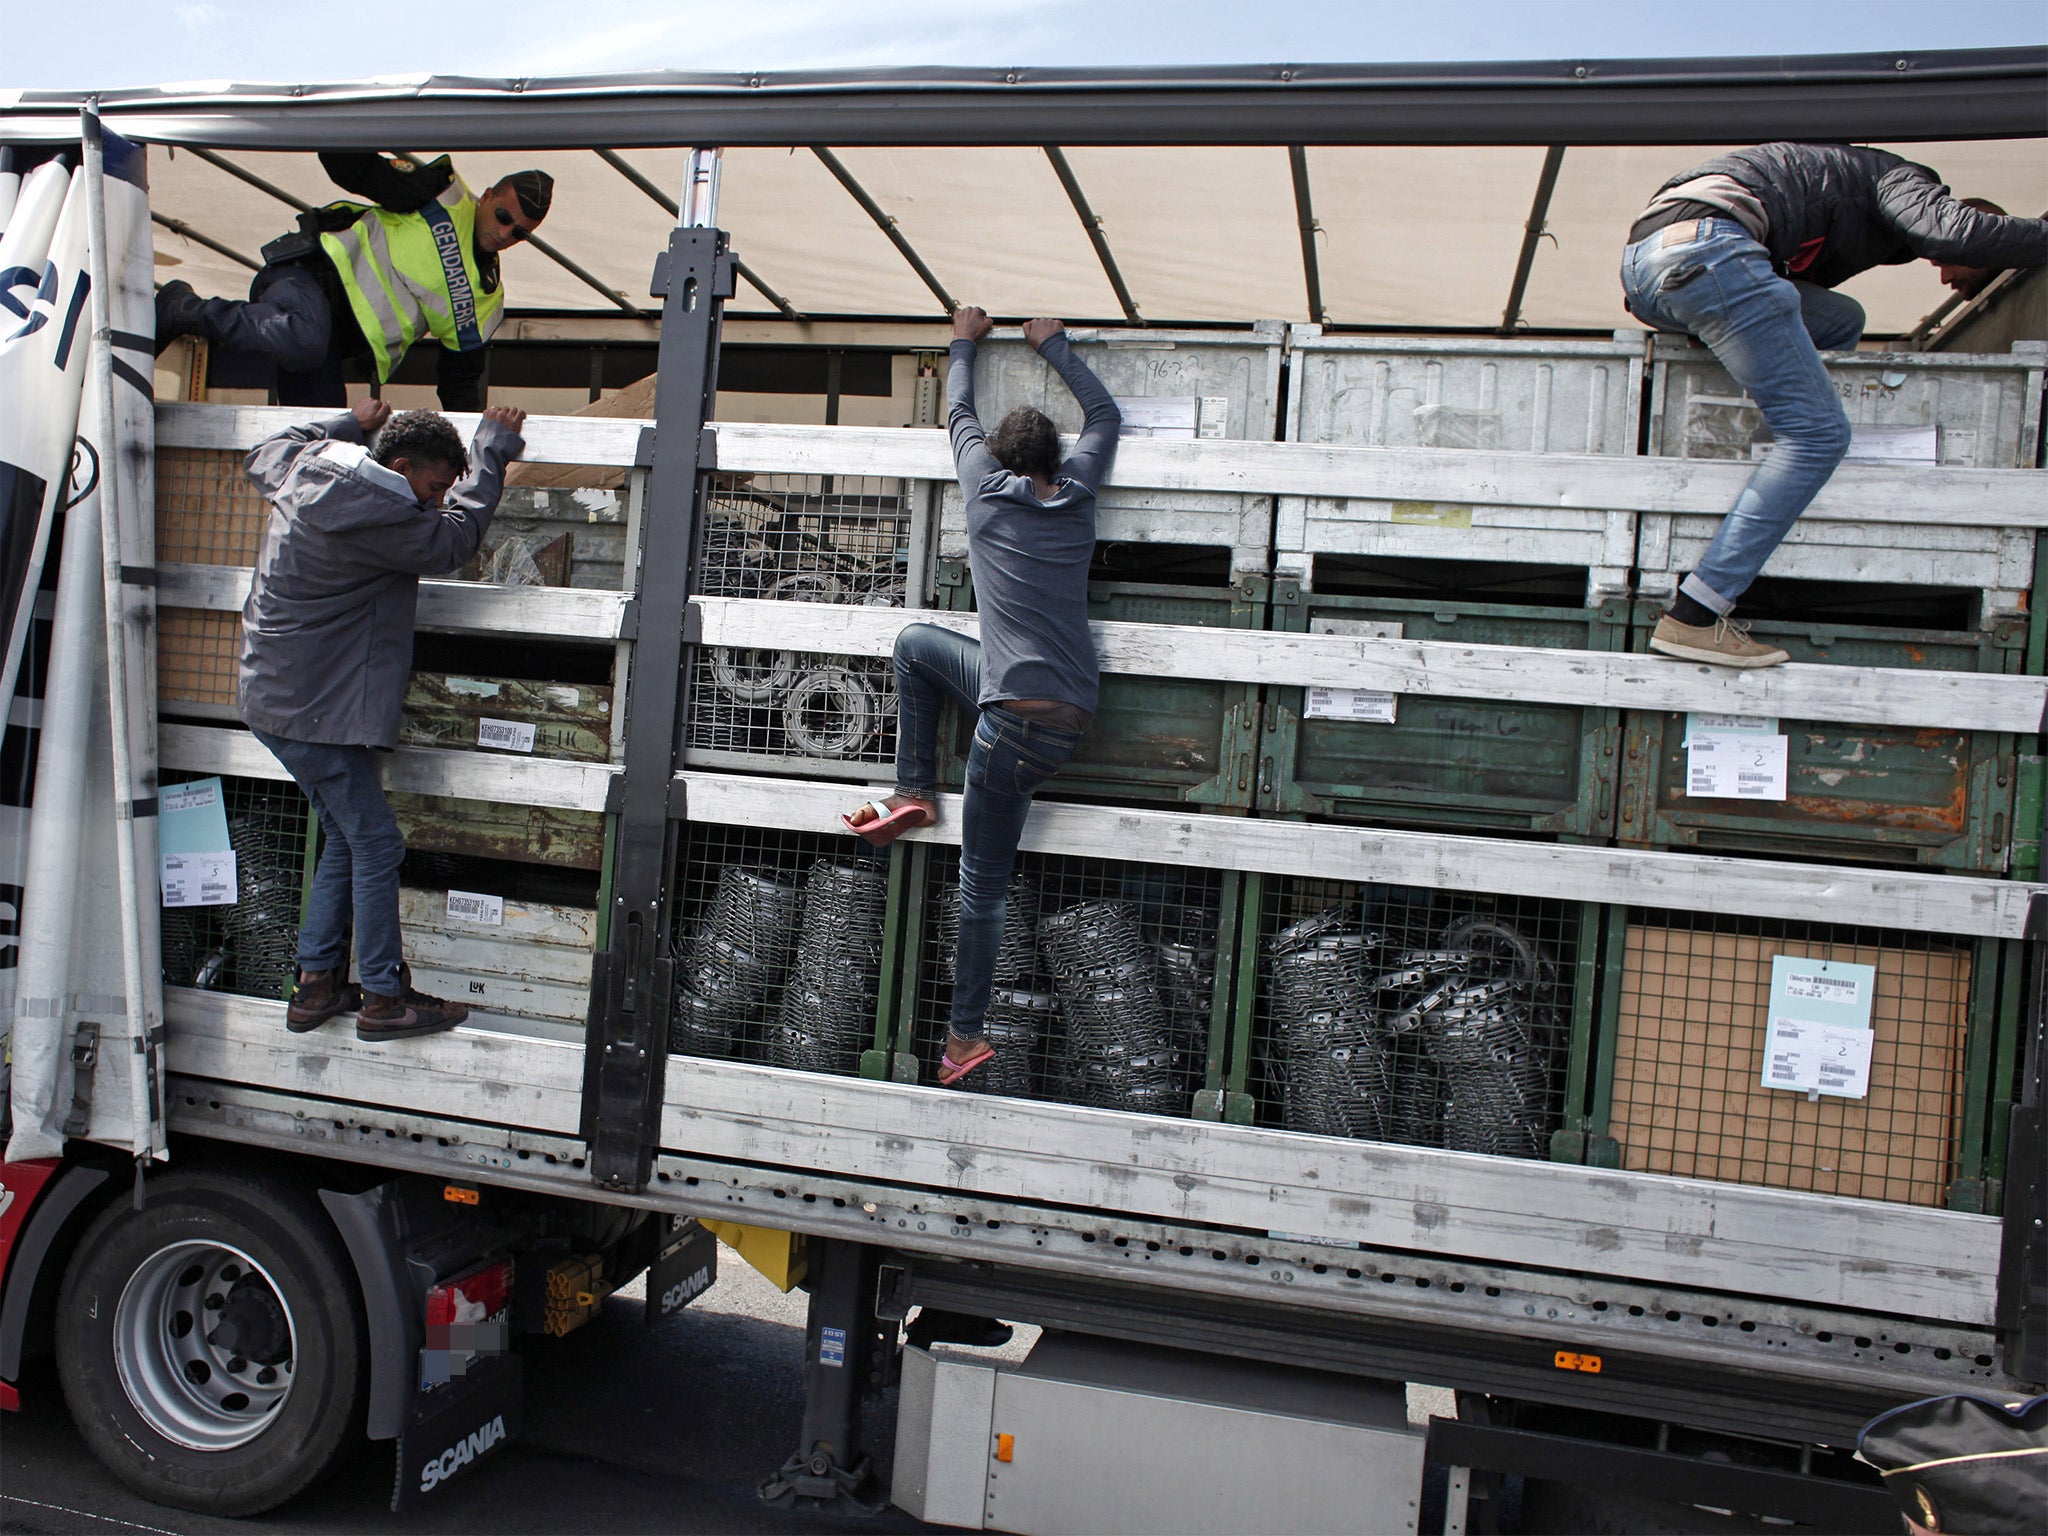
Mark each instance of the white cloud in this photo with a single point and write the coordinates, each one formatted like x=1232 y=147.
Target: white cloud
x=196 y=15
x=781 y=35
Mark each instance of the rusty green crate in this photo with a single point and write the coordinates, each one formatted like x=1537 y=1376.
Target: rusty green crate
x=1498 y=765
x=489 y=829
x=1925 y=796
x=1154 y=1037
x=1182 y=741
x=568 y=720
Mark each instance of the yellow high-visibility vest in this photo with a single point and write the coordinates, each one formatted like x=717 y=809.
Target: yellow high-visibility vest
x=412 y=273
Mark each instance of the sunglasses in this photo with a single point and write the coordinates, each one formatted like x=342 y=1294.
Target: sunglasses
x=506 y=220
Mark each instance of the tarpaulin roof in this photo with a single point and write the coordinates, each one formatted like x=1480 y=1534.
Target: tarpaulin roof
x=1414 y=182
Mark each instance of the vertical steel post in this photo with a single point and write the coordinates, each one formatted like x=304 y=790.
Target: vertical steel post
x=846 y=1352
x=632 y=981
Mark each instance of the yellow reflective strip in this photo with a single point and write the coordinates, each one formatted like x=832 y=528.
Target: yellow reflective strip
x=400 y=311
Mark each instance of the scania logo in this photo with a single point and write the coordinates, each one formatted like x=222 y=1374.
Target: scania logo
x=461 y=1454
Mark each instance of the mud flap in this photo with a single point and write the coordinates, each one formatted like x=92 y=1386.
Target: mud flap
x=453 y=1428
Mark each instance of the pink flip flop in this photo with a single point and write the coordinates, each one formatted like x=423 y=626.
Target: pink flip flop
x=950 y=1071
x=887 y=825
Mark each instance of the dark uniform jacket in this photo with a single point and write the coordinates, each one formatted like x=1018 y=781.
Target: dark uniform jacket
x=1836 y=210
x=403 y=186
x=327 y=630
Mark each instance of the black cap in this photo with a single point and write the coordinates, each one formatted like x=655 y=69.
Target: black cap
x=535 y=190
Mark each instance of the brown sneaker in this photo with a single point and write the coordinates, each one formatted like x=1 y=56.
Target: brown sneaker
x=318 y=997
x=1723 y=643
x=410 y=1013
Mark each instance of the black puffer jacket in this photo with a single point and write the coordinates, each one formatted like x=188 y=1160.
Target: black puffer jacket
x=1867 y=208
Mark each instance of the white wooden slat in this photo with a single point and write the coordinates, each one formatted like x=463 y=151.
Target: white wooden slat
x=525 y=922
x=549 y=439
x=508 y=780
x=471 y=1073
x=1601 y=679
x=1820 y=1249
x=1823 y=1250
x=1684 y=882
x=1866 y=492
x=557 y=613
x=478 y=955
x=565 y=1003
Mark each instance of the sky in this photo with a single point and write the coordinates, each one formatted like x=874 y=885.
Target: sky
x=152 y=42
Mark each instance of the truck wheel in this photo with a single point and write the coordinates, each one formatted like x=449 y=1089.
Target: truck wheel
x=211 y=1346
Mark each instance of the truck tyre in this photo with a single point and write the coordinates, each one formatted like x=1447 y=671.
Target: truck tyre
x=211 y=1346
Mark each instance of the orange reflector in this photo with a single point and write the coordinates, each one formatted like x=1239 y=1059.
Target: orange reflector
x=1004 y=1445
x=1565 y=1360
x=457 y=1195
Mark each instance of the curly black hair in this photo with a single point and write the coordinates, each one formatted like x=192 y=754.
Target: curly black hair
x=421 y=437
x=1027 y=443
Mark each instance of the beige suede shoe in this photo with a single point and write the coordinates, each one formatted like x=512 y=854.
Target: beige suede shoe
x=1724 y=643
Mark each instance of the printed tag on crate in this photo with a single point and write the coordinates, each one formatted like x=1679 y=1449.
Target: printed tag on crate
x=200 y=880
x=476 y=907
x=1370 y=705
x=197 y=863
x=1215 y=417
x=507 y=735
x=1735 y=757
x=1158 y=415
x=1820 y=1037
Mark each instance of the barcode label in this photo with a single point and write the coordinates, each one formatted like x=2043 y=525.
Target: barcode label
x=507 y=735
x=476 y=907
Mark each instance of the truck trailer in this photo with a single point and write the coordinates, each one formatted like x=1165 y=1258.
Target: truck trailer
x=1412 y=979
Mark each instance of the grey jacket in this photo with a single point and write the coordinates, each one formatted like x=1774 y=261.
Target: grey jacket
x=327 y=630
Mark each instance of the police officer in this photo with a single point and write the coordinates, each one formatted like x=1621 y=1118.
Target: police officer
x=367 y=281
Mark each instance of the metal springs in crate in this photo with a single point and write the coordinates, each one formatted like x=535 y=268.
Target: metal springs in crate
x=827 y=1016
x=1142 y=1006
x=1119 y=1051
x=732 y=962
x=251 y=947
x=782 y=703
x=1449 y=1046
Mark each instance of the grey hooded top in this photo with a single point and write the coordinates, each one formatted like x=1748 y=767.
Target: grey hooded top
x=1029 y=557
x=327 y=630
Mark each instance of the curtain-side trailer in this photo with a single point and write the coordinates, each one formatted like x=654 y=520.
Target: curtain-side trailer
x=1530 y=1168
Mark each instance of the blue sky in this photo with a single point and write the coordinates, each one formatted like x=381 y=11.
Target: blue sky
x=147 y=42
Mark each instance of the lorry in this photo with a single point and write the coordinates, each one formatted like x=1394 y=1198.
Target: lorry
x=1396 y=985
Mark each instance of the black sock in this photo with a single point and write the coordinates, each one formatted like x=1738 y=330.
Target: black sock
x=1688 y=609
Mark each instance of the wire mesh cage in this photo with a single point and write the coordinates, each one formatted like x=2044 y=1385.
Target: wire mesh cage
x=801 y=539
x=251 y=947
x=1104 y=983
x=197 y=655
x=1402 y=1014
x=779 y=942
x=208 y=511
x=1688 y=1043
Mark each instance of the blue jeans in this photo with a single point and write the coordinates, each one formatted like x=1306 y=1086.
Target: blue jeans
x=1767 y=331
x=1011 y=758
x=360 y=851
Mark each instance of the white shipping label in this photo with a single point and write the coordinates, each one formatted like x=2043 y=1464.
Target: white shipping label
x=1365 y=704
x=1157 y=415
x=510 y=735
x=200 y=880
x=1736 y=767
x=1729 y=725
x=1215 y=417
x=1821 y=987
x=1809 y=1057
x=476 y=907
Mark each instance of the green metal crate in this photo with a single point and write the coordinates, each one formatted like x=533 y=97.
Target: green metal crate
x=1481 y=764
x=1415 y=1016
x=1675 y=1083
x=249 y=948
x=782 y=943
x=1937 y=798
x=1062 y=1036
x=1182 y=741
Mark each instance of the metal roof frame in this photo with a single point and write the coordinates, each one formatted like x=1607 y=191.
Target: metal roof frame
x=1939 y=94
